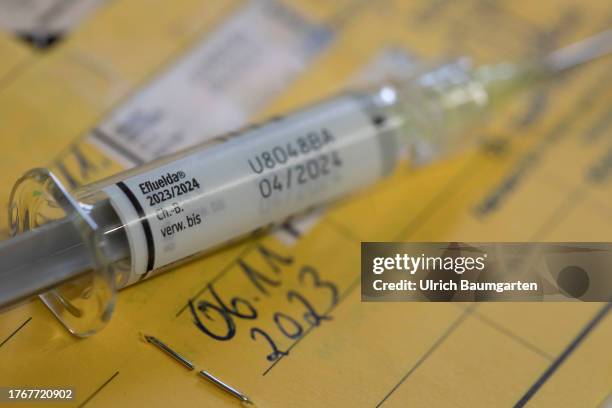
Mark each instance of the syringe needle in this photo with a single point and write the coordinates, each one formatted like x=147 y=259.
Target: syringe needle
x=225 y=387
x=162 y=346
x=579 y=53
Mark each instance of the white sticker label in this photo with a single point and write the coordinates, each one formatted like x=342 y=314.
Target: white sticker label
x=217 y=87
x=391 y=62
x=264 y=175
x=42 y=18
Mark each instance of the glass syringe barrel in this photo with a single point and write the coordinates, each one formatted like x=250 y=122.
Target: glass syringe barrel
x=216 y=193
x=178 y=206
x=141 y=221
x=111 y=234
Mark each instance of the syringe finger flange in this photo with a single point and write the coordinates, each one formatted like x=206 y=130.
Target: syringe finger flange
x=42 y=208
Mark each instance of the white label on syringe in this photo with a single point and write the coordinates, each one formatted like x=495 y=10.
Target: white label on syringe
x=220 y=192
x=391 y=62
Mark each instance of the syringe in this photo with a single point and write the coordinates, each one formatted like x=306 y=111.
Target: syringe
x=76 y=249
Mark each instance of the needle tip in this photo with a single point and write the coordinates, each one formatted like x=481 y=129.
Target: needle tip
x=581 y=52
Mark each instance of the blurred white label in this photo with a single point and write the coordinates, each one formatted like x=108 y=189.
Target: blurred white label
x=40 y=18
x=217 y=87
x=389 y=63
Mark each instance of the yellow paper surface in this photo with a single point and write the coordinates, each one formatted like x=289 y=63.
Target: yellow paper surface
x=540 y=180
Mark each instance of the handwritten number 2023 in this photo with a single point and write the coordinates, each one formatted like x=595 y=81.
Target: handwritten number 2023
x=243 y=309
x=311 y=316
